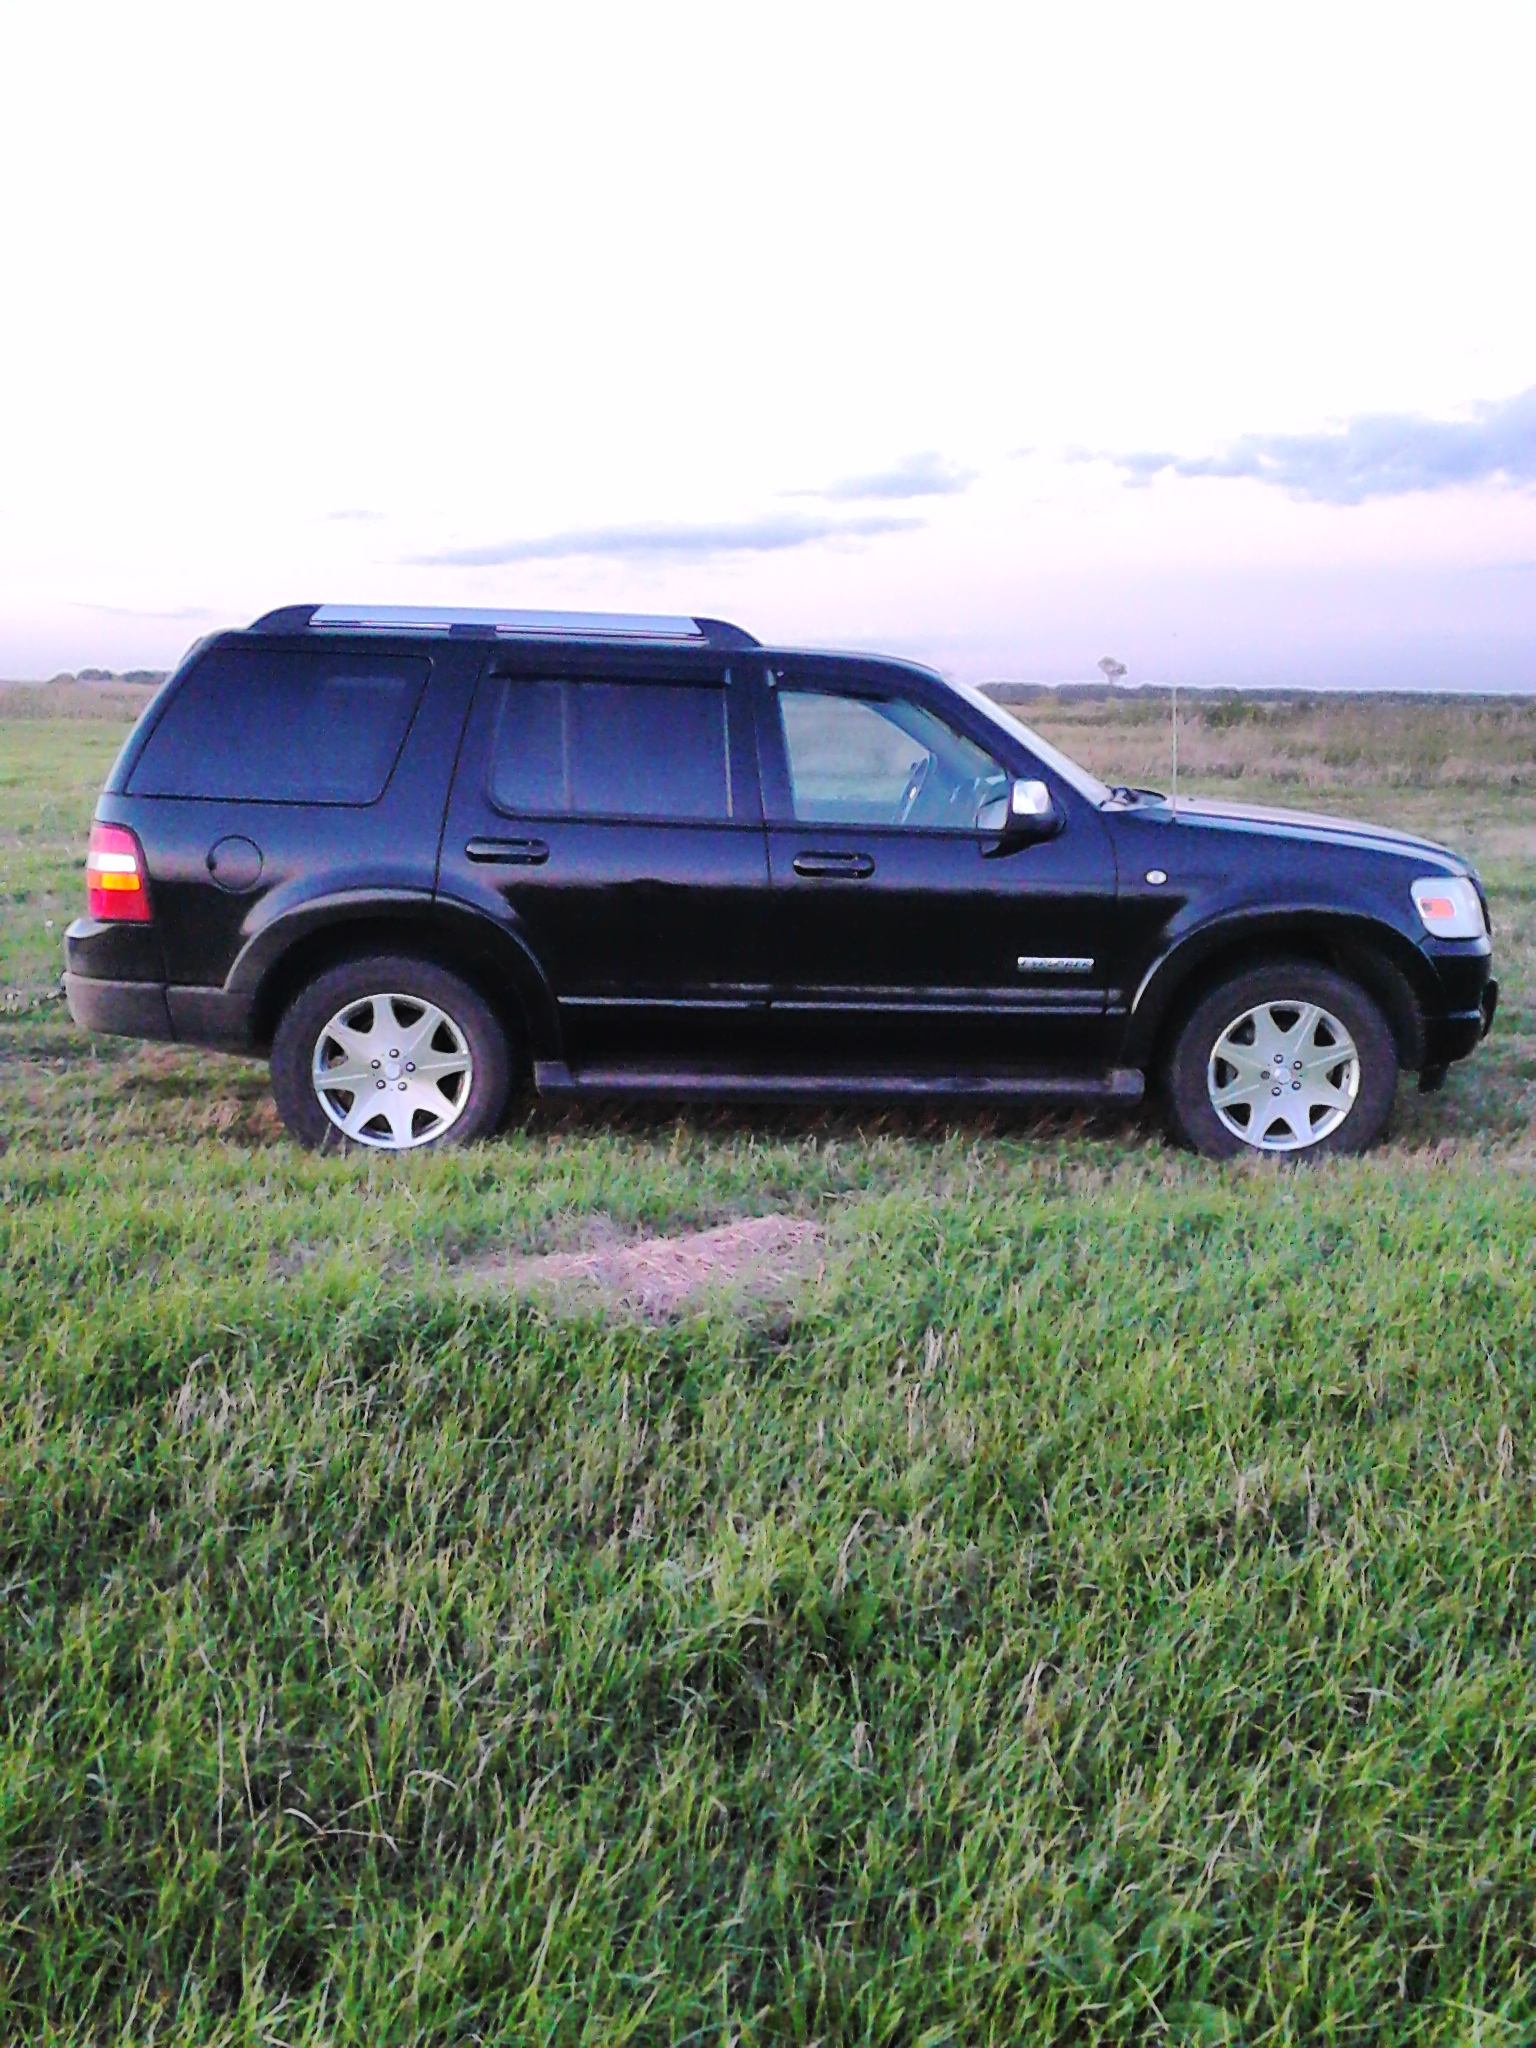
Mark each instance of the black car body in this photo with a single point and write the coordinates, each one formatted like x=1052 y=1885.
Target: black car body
x=670 y=861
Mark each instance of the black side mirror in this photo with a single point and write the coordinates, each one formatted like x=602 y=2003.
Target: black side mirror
x=1024 y=817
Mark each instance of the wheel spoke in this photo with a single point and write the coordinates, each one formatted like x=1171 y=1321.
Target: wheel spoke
x=352 y=1073
x=1246 y=1058
x=1299 y=1127
x=439 y=1066
x=1327 y=1092
x=1290 y=1042
x=438 y=1106
x=417 y=1036
x=1247 y=1090
x=365 y=1107
x=1322 y=1059
x=401 y=1117
x=358 y=1045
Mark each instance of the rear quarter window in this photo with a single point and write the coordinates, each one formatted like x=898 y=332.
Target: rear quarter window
x=253 y=725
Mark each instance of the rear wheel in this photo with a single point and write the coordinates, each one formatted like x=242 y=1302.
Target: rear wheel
x=1283 y=1060
x=391 y=1053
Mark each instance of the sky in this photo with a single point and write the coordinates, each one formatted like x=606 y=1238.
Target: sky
x=1002 y=337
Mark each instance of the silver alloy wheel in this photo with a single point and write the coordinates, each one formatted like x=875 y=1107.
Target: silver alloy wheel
x=393 y=1071
x=1283 y=1076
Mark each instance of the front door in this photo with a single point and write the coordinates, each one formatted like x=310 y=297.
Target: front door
x=607 y=803
x=904 y=933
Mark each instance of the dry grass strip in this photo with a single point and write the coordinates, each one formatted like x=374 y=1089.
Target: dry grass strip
x=759 y=1258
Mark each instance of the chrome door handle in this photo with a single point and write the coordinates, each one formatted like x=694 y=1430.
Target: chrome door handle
x=852 y=867
x=511 y=853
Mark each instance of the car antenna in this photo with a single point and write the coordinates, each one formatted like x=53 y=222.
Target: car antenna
x=1173 y=793
x=1111 y=670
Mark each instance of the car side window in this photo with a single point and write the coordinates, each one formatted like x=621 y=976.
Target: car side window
x=882 y=761
x=578 y=749
x=257 y=725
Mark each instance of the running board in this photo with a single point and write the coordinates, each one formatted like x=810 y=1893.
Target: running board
x=691 y=1084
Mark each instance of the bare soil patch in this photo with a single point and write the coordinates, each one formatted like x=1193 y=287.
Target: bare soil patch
x=758 y=1259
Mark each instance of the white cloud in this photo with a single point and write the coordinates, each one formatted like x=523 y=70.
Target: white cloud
x=1378 y=455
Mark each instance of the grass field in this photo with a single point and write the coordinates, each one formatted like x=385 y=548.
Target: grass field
x=1095 y=1608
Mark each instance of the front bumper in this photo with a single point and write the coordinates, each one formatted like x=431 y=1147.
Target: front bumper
x=1469 y=998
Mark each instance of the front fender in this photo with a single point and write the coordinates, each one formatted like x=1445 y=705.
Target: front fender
x=1384 y=960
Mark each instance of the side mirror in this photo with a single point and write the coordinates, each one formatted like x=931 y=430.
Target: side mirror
x=1024 y=817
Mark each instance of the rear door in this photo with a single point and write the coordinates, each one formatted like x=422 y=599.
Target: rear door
x=606 y=808
x=904 y=933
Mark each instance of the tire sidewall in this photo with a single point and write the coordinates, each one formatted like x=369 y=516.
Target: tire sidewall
x=293 y=1049
x=1190 y=1111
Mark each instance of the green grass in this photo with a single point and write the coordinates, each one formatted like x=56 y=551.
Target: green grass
x=50 y=771
x=1097 y=1611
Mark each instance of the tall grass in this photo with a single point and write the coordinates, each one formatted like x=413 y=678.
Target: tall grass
x=1101 y=1611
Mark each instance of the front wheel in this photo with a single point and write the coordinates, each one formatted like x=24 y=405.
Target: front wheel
x=1285 y=1059
x=390 y=1053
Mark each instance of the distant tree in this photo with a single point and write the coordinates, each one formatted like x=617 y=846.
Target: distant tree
x=1110 y=669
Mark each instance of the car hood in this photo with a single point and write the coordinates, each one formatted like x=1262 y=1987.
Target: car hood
x=1216 y=814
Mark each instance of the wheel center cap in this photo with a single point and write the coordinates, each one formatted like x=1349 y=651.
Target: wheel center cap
x=392 y=1068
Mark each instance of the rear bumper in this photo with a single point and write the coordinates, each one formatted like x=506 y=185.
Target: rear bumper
x=127 y=1009
x=115 y=983
x=114 y=979
x=143 y=1009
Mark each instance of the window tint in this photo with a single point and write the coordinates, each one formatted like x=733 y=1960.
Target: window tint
x=612 y=750
x=854 y=761
x=256 y=726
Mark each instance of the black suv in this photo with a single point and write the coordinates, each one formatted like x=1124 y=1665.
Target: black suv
x=418 y=856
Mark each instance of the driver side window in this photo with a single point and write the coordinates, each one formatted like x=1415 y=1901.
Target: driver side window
x=867 y=761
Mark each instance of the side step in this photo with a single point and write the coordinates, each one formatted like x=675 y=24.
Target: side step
x=693 y=1084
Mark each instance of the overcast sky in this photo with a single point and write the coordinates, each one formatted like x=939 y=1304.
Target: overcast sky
x=1004 y=336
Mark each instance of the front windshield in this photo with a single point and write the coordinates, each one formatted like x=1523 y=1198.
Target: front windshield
x=1078 y=778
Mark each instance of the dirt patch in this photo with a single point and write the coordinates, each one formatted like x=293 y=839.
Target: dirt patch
x=760 y=1258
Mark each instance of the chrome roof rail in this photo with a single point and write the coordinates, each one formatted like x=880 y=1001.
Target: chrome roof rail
x=642 y=627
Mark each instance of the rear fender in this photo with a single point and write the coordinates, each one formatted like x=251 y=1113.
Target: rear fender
x=494 y=958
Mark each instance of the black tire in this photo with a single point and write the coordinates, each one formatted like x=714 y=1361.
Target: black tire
x=471 y=1036
x=1192 y=1115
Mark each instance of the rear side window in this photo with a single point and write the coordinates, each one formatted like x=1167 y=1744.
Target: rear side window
x=658 y=751
x=254 y=726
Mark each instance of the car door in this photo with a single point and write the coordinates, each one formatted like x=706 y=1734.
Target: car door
x=606 y=807
x=902 y=931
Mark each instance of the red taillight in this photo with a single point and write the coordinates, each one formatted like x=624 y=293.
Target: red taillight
x=115 y=879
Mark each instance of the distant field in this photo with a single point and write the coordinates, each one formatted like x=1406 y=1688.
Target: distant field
x=1094 y=1608
x=1461 y=768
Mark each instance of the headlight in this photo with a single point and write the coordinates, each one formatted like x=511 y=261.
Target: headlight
x=1449 y=906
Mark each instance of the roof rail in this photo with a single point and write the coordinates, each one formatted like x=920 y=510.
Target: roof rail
x=502 y=625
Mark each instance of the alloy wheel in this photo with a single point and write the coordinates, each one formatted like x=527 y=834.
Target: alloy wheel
x=1283 y=1076
x=392 y=1071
